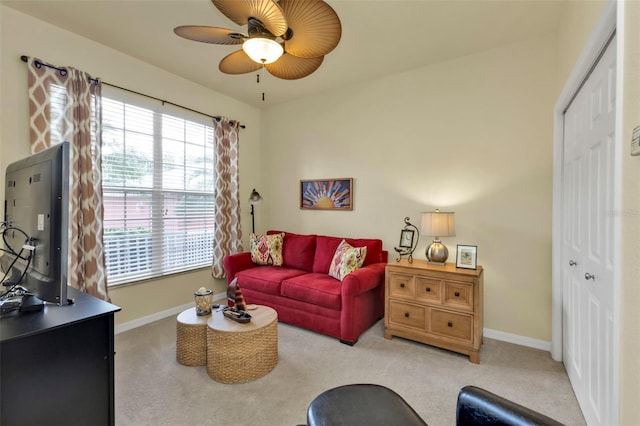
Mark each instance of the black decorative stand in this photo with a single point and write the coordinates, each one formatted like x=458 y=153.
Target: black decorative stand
x=408 y=251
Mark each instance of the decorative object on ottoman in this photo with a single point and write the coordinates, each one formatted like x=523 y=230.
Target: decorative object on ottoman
x=235 y=297
x=409 y=237
x=191 y=338
x=236 y=315
x=231 y=292
x=238 y=300
x=361 y=404
x=237 y=306
x=204 y=299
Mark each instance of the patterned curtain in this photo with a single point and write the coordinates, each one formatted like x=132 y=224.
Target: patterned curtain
x=227 y=237
x=66 y=104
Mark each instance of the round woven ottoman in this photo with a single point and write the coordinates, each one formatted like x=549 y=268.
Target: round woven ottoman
x=191 y=338
x=239 y=353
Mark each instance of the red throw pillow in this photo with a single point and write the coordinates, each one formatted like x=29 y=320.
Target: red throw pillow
x=298 y=250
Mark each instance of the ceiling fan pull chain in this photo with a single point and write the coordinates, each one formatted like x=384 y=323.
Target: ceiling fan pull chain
x=262 y=96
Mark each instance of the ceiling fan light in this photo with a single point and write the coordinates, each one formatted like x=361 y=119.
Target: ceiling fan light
x=262 y=50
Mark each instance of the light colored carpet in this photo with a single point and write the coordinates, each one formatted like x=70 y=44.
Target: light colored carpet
x=151 y=388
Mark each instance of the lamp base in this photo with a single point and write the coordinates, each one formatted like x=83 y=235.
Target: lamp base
x=437 y=253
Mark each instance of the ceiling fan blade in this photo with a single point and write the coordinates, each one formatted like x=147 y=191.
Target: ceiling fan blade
x=290 y=67
x=238 y=63
x=209 y=34
x=315 y=26
x=266 y=11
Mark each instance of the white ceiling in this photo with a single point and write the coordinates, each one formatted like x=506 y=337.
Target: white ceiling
x=379 y=37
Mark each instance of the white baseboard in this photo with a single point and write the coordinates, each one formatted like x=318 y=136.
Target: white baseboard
x=139 y=322
x=517 y=339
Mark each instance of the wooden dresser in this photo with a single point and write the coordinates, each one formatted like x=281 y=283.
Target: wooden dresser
x=436 y=305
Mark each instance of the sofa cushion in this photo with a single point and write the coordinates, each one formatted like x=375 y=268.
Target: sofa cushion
x=265 y=279
x=346 y=260
x=317 y=289
x=326 y=248
x=298 y=250
x=266 y=249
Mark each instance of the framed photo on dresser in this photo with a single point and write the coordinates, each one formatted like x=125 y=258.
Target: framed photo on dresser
x=467 y=257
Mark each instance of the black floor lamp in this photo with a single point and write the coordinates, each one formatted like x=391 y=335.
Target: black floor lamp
x=254 y=198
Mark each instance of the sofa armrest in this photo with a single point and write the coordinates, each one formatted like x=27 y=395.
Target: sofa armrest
x=477 y=406
x=364 y=279
x=235 y=263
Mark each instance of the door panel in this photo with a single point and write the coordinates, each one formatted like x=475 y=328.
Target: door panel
x=588 y=156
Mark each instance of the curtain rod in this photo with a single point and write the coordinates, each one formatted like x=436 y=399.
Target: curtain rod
x=63 y=71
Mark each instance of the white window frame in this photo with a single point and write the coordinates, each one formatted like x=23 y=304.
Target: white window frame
x=160 y=263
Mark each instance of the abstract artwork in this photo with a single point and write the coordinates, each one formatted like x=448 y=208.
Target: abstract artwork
x=326 y=194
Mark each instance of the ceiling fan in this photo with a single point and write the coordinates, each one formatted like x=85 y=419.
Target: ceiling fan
x=287 y=37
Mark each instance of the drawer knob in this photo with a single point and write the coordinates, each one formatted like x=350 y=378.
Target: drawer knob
x=456 y=294
x=428 y=289
x=450 y=324
x=401 y=285
x=406 y=314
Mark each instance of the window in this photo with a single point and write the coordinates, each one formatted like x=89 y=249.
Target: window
x=157 y=165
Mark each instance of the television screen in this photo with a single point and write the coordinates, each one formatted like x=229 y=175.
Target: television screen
x=35 y=232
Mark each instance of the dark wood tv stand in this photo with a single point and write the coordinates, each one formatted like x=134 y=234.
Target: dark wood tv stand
x=57 y=365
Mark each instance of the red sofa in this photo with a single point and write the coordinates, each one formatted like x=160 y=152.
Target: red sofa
x=305 y=295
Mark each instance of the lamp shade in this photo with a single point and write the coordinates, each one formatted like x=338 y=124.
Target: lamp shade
x=262 y=50
x=255 y=197
x=438 y=224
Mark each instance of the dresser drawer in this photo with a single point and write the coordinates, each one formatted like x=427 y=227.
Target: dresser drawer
x=458 y=295
x=452 y=324
x=406 y=314
x=428 y=289
x=401 y=285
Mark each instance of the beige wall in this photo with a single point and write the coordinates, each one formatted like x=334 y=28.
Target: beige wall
x=472 y=135
x=23 y=35
x=576 y=24
x=630 y=222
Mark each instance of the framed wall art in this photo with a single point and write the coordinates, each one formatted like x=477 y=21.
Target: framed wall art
x=326 y=194
x=467 y=257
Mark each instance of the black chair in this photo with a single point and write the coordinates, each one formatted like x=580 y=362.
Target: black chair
x=375 y=405
x=477 y=406
x=359 y=405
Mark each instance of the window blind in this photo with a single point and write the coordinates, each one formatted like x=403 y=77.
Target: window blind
x=157 y=164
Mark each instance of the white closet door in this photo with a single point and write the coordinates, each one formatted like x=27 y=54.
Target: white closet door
x=587 y=237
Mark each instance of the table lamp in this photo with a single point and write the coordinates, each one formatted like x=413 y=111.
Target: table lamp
x=438 y=224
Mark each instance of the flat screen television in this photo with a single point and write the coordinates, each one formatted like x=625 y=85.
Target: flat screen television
x=36 y=221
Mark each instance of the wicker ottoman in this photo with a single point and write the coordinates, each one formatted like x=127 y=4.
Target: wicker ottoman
x=239 y=353
x=191 y=338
